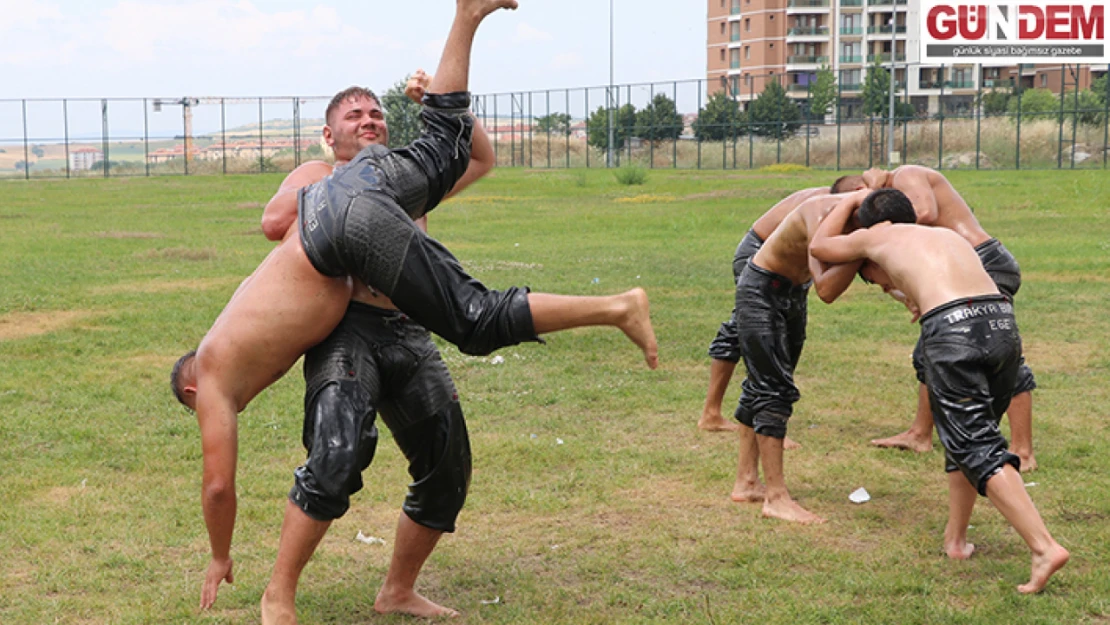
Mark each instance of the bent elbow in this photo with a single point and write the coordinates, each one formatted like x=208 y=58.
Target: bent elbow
x=272 y=228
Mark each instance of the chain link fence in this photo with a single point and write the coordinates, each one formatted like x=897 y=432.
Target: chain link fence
x=946 y=124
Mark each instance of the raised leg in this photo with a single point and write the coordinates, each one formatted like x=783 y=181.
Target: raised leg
x=627 y=311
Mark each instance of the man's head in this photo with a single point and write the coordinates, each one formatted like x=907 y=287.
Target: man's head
x=847 y=184
x=354 y=119
x=183 y=380
x=871 y=273
x=886 y=205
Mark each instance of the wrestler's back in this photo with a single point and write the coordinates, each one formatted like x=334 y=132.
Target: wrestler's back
x=279 y=312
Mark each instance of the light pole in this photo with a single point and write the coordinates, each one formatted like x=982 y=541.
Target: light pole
x=893 y=55
x=609 y=152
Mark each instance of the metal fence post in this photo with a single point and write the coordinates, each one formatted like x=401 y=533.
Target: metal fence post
x=979 y=117
x=654 y=114
x=261 y=140
x=65 y=123
x=1060 y=120
x=1075 y=117
x=1017 y=145
x=699 y=113
x=104 y=135
x=809 y=114
x=681 y=127
x=547 y=94
x=1106 y=119
x=839 y=108
x=566 y=131
x=146 y=137
x=940 y=129
x=223 y=133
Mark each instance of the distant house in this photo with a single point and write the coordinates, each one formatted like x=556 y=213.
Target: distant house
x=84 y=158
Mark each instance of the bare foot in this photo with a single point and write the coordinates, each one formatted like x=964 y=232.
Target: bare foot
x=789 y=443
x=787 y=509
x=411 y=603
x=277 y=613
x=1028 y=463
x=960 y=550
x=1044 y=566
x=907 y=440
x=714 y=422
x=636 y=324
x=745 y=491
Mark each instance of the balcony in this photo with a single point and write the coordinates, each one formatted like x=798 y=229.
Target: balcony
x=851 y=3
x=734 y=9
x=886 y=3
x=851 y=30
x=734 y=37
x=959 y=84
x=735 y=64
x=851 y=86
x=807 y=4
x=884 y=29
x=795 y=88
x=885 y=57
x=808 y=31
x=806 y=60
x=845 y=58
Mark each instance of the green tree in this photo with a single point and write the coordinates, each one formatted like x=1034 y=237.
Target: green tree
x=876 y=90
x=402 y=115
x=624 y=123
x=995 y=102
x=772 y=114
x=720 y=119
x=555 y=123
x=1089 y=110
x=1036 y=104
x=1101 y=88
x=659 y=120
x=822 y=94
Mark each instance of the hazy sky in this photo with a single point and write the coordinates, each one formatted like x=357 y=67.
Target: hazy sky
x=162 y=48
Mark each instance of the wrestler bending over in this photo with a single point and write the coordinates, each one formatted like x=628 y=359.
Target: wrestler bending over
x=937 y=203
x=771 y=328
x=970 y=350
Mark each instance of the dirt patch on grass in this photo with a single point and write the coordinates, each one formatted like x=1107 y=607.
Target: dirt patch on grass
x=164 y=286
x=115 y=234
x=180 y=253
x=250 y=205
x=62 y=494
x=22 y=325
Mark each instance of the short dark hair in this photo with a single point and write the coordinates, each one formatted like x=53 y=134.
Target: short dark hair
x=846 y=183
x=175 y=376
x=886 y=205
x=346 y=94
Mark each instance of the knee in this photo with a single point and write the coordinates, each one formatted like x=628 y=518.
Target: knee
x=341 y=444
x=440 y=465
x=771 y=424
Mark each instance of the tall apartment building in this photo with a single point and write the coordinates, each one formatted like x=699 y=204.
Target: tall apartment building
x=752 y=42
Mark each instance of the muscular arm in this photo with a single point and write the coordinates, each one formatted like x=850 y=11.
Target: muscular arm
x=220 y=445
x=830 y=281
x=281 y=210
x=914 y=182
x=829 y=244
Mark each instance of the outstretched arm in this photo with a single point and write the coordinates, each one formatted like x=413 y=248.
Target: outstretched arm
x=220 y=444
x=281 y=210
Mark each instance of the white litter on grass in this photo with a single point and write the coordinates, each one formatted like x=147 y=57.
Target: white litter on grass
x=496 y=600
x=558 y=441
x=860 y=495
x=532 y=436
x=516 y=244
x=1028 y=484
x=597 y=280
x=637 y=277
x=369 y=540
x=496 y=360
x=84 y=482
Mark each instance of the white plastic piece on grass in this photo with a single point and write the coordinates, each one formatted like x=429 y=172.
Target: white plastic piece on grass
x=860 y=495
x=532 y=436
x=496 y=600
x=1028 y=484
x=558 y=441
x=369 y=540
x=498 y=359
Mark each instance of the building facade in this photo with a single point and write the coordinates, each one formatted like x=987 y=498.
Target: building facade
x=753 y=42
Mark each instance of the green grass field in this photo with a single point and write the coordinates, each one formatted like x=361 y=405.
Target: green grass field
x=106 y=282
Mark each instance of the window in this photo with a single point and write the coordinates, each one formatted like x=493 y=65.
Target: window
x=1044 y=80
x=747 y=53
x=722 y=28
x=747 y=24
x=722 y=55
